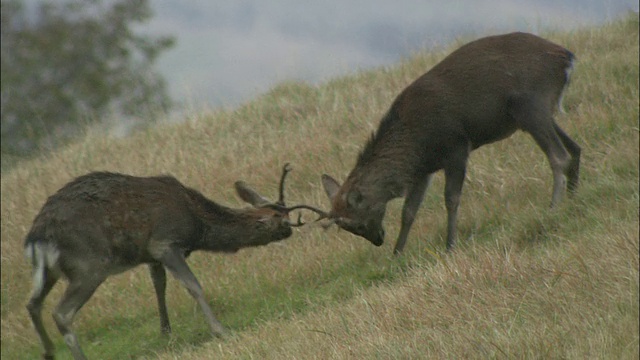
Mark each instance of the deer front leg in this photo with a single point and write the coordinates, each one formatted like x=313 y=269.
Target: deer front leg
x=177 y=265
x=159 y=277
x=454 y=173
x=409 y=209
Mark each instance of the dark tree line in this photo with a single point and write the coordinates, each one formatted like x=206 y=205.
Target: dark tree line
x=69 y=64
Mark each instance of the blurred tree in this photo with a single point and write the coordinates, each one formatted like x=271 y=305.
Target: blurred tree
x=69 y=63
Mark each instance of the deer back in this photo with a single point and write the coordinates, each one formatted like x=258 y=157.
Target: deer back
x=129 y=220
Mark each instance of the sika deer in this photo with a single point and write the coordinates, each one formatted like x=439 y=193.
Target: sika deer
x=101 y=224
x=481 y=93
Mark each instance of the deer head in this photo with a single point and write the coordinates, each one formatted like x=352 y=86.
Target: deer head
x=275 y=214
x=354 y=210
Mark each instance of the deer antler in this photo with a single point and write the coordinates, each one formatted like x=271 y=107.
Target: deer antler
x=285 y=170
x=299 y=222
x=281 y=206
x=323 y=215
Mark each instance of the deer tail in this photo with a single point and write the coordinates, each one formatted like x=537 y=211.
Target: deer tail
x=44 y=258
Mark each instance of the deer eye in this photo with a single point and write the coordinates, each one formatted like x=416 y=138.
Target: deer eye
x=354 y=199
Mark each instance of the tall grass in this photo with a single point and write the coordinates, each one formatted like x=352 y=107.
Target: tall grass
x=525 y=282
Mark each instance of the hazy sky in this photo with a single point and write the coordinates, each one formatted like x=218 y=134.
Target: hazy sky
x=229 y=51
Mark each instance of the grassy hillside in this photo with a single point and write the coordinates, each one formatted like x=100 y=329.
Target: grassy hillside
x=526 y=282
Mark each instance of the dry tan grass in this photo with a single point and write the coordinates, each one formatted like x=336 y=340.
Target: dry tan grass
x=526 y=283
x=488 y=302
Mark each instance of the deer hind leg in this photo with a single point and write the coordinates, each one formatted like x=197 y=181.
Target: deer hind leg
x=573 y=169
x=78 y=292
x=159 y=277
x=40 y=291
x=177 y=265
x=536 y=119
x=559 y=159
x=409 y=209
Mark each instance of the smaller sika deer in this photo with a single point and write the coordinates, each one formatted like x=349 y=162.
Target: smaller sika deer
x=101 y=224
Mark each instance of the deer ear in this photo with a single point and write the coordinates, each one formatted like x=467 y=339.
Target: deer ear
x=331 y=186
x=249 y=195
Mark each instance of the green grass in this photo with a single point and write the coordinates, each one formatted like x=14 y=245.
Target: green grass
x=525 y=282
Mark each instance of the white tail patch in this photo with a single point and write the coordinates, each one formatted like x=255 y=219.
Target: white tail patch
x=43 y=256
x=560 y=105
x=567 y=74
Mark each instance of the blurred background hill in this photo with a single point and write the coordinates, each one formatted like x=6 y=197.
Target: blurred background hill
x=122 y=65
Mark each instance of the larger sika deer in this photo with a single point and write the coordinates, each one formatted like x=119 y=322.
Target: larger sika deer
x=481 y=93
x=102 y=224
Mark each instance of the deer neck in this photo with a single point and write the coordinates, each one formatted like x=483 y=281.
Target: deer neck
x=389 y=161
x=386 y=174
x=238 y=230
x=221 y=228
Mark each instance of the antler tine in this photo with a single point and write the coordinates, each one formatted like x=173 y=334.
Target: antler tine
x=280 y=204
x=323 y=215
x=299 y=222
x=285 y=170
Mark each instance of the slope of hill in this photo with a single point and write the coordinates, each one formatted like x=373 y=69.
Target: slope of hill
x=526 y=282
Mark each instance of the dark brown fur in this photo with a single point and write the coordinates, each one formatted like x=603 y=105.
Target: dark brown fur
x=104 y=223
x=481 y=93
